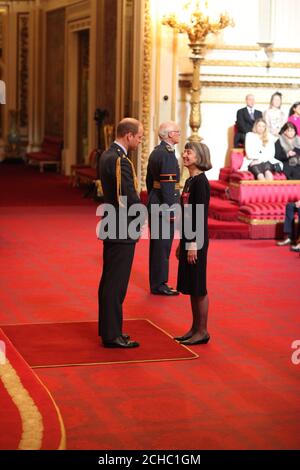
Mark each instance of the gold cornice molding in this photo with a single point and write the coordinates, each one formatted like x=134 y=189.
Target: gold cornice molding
x=49 y=5
x=229 y=47
x=224 y=84
x=188 y=75
x=146 y=91
x=78 y=25
x=241 y=63
x=76 y=11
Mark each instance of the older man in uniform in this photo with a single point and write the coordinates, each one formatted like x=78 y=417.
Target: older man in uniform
x=118 y=180
x=163 y=188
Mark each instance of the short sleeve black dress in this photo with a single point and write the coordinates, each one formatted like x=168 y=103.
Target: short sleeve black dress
x=191 y=278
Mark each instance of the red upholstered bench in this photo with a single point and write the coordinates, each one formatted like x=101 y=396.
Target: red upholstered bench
x=262 y=203
x=50 y=153
x=265 y=219
x=85 y=174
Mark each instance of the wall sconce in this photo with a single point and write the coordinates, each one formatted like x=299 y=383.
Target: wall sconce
x=194 y=20
x=268 y=50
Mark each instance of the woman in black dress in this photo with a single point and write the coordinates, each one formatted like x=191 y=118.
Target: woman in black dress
x=287 y=150
x=192 y=256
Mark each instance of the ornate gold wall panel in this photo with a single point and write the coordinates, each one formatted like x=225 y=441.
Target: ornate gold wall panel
x=54 y=73
x=106 y=93
x=23 y=71
x=146 y=92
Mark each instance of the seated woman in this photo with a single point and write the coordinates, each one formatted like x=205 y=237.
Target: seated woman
x=287 y=150
x=260 y=152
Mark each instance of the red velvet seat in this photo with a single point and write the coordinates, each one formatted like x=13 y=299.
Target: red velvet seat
x=144 y=197
x=262 y=203
x=265 y=219
x=50 y=153
x=85 y=173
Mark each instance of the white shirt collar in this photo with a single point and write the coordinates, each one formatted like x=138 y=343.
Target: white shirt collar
x=122 y=147
x=170 y=145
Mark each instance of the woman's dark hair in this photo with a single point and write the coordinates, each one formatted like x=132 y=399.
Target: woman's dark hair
x=202 y=153
x=288 y=125
x=292 y=110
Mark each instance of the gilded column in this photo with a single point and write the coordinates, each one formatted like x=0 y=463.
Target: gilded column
x=195 y=116
x=146 y=91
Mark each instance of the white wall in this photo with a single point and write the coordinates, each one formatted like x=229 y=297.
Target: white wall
x=233 y=67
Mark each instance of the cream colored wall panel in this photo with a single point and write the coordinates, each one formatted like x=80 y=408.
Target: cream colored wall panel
x=245 y=17
x=165 y=87
x=286 y=27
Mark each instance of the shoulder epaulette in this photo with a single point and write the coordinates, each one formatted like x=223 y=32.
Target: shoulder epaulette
x=169 y=148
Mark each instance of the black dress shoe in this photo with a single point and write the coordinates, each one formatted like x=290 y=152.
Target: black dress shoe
x=296 y=248
x=172 y=289
x=198 y=341
x=164 y=290
x=285 y=242
x=183 y=338
x=120 y=342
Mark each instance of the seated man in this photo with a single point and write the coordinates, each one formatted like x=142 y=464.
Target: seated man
x=290 y=210
x=245 y=119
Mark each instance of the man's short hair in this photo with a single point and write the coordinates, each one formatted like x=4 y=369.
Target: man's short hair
x=128 y=125
x=165 y=128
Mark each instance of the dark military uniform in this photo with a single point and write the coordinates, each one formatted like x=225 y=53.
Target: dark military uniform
x=118 y=179
x=163 y=188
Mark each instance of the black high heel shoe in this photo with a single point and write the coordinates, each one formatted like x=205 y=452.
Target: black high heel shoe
x=183 y=338
x=198 y=341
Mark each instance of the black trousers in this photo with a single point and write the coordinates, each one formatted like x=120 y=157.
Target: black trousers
x=290 y=210
x=159 y=255
x=239 y=139
x=117 y=263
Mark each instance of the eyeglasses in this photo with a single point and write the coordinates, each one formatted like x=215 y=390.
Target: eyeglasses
x=175 y=132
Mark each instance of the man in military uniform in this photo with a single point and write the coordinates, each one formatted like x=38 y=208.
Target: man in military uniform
x=163 y=188
x=118 y=180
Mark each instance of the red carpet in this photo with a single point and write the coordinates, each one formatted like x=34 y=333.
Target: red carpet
x=31 y=420
x=225 y=230
x=242 y=393
x=25 y=186
x=68 y=344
